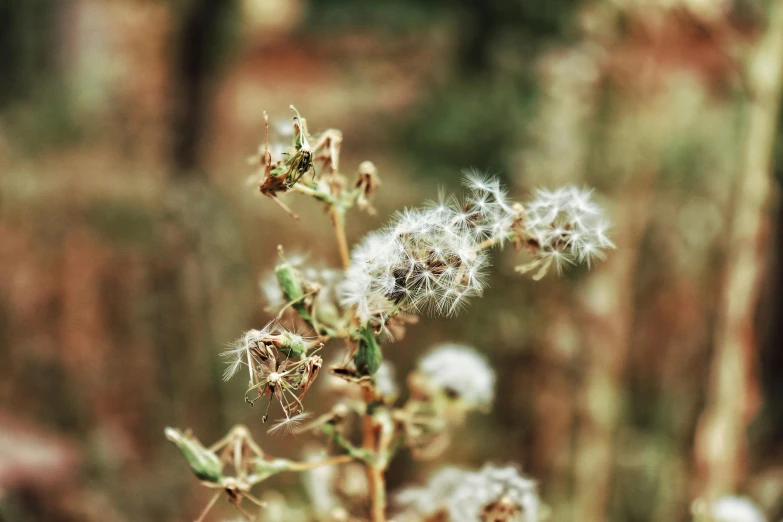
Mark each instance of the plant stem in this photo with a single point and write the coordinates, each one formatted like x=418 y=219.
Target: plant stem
x=375 y=467
x=353 y=451
x=732 y=398
x=488 y=243
x=339 y=229
x=331 y=461
x=377 y=477
x=313 y=193
x=336 y=212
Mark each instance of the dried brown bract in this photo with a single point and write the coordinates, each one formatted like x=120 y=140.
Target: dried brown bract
x=367 y=182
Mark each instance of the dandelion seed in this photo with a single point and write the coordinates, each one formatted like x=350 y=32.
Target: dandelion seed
x=288 y=425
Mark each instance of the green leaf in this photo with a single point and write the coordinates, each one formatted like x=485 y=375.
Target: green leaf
x=368 y=357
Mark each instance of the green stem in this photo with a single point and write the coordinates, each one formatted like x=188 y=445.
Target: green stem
x=354 y=452
x=320 y=196
x=338 y=220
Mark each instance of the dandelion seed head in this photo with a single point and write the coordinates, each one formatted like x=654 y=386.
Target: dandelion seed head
x=413 y=265
x=426 y=501
x=735 y=509
x=566 y=228
x=494 y=493
x=461 y=371
x=428 y=260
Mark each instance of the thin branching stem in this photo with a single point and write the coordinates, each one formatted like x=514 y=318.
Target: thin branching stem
x=313 y=193
x=489 y=243
x=209 y=506
x=338 y=222
x=331 y=461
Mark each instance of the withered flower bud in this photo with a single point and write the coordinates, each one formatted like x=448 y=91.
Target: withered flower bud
x=367 y=182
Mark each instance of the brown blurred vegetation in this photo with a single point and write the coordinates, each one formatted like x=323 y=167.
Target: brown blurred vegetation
x=130 y=244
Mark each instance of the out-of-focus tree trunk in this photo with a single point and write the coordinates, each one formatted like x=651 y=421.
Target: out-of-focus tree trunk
x=478 y=25
x=771 y=357
x=196 y=52
x=25 y=59
x=733 y=395
x=607 y=311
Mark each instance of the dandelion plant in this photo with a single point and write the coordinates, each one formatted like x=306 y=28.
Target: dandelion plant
x=427 y=261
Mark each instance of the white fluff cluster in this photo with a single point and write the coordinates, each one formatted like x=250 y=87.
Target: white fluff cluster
x=494 y=493
x=238 y=353
x=564 y=227
x=461 y=371
x=424 y=502
x=487 y=213
x=422 y=262
x=319 y=484
x=385 y=381
x=735 y=509
x=499 y=494
x=429 y=259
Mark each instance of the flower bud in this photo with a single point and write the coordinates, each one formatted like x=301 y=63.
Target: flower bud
x=292 y=344
x=290 y=281
x=204 y=463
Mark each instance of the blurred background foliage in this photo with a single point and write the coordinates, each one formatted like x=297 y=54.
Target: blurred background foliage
x=131 y=245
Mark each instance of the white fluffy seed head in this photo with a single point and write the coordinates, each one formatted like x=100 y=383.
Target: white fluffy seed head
x=566 y=227
x=424 y=502
x=494 y=493
x=460 y=371
x=421 y=262
x=319 y=483
x=734 y=509
x=429 y=259
x=487 y=201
